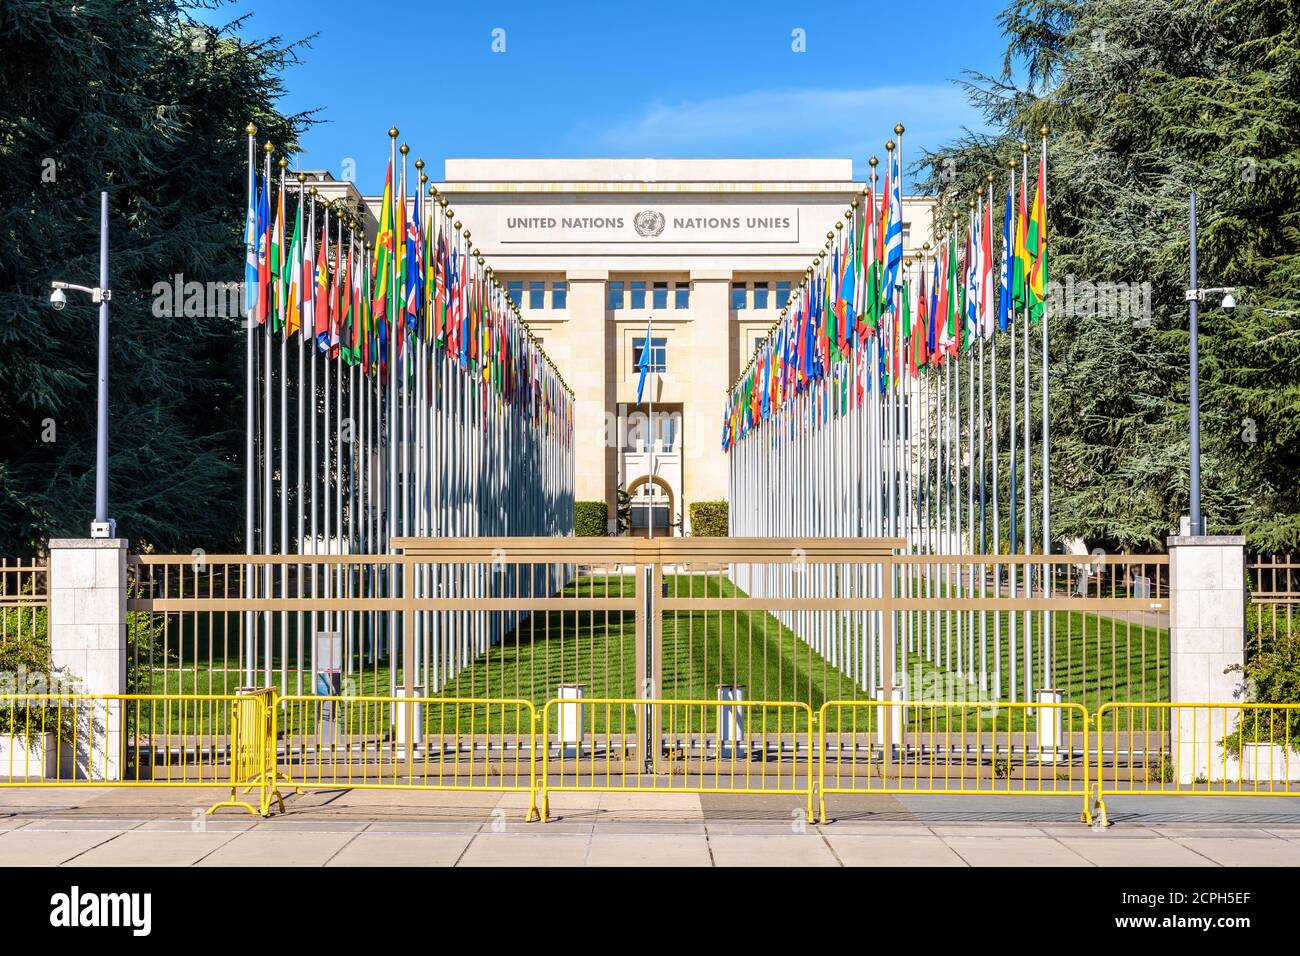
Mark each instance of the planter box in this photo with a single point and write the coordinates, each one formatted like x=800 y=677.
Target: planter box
x=21 y=760
x=1269 y=763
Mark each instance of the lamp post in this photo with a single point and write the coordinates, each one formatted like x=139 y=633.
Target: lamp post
x=1194 y=297
x=103 y=526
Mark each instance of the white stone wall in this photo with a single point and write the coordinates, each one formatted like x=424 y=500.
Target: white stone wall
x=88 y=642
x=1207 y=624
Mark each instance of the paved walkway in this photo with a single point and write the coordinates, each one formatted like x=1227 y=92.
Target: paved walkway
x=88 y=827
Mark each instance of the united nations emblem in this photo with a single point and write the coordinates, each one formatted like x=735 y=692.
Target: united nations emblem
x=648 y=223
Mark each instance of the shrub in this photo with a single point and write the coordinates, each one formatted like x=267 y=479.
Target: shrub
x=1272 y=674
x=708 y=519
x=591 y=519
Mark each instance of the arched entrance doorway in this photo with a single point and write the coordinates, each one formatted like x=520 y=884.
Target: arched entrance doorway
x=653 y=497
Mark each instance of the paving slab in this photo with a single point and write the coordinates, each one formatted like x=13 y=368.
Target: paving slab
x=153 y=848
x=1014 y=851
x=47 y=847
x=1230 y=852
x=265 y=848
x=898 y=849
x=755 y=849
x=526 y=848
x=648 y=850
x=406 y=849
x=1116 y=850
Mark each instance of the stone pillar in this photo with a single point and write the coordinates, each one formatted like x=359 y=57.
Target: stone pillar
x=591 y=378
x=88 y=643
x=704 y=466
x=1207 y=634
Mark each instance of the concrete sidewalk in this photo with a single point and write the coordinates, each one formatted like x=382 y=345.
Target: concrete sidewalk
x=136 y=827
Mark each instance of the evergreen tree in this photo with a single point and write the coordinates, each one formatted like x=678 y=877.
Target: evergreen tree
x=1146 y=101
x=139 y=98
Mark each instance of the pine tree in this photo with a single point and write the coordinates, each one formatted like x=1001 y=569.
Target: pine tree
x=136 y=97
x=1146 y=101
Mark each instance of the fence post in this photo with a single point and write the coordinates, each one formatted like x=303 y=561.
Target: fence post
x=1207 y=631
x=88 y=640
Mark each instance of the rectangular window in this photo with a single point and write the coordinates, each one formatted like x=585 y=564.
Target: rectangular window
x=682 y=295
x=660 y=298
x=559 y=295
x=760 y=295
x=616 y=295
x=658 y=353
x=515 y=289
x=737 y=295
x=782 y=294
x=537 y=295
x=668 y=432
x=638 y=295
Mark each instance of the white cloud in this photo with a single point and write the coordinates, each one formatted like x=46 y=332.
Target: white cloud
x=798 y=122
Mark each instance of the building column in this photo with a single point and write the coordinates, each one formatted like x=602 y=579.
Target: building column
x=704 y=466
x=592 y=371
x=1207 y=634
x=88 y=642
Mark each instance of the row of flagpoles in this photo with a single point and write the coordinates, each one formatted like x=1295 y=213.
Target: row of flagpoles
x=853 y=419
x=393 y=390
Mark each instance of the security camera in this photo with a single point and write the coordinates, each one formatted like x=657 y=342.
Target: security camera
x=1229 y=303
x=58 y=300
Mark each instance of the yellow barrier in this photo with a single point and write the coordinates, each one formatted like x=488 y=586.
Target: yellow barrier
x=1193 y=749
x=679 y=746
x=970 y=749
x=137 y=740
x=408 y=743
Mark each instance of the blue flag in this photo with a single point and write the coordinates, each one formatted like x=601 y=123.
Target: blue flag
x=643 y=364
x=1008 y=260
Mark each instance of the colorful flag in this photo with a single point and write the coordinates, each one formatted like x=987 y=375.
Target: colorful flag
x=263 y=252
x=1036 y=245
x=293 y=294
x=1007 y=272
x=279 y=277
x=384 y=248
x=250 y=251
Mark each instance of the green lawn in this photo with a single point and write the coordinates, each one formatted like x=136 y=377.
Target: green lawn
x=1096 y=658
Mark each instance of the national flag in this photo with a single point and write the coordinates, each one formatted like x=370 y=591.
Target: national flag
x=250 y=250
x=893 y=233
x=1036 y=244
x=384 y=243
x=1020 y=275
x=279 y=277
x=263 y=252
x=322 y=307
x=293 y=294
x=1007 y=273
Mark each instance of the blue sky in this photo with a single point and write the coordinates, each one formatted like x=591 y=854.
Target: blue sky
x=666 y=79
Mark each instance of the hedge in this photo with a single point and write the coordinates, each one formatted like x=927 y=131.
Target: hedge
x=708 y=519
x=591 y=519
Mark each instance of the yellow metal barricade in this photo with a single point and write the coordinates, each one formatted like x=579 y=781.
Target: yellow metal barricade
x=988 y=748
x=626 y=745
x=408 y=743
x=1195 y=749
x=136 y=740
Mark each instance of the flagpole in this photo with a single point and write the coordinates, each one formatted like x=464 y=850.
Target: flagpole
x=996 y=465
x=1027 y=486
x=282 y=311
x=1048 y=631
x=250 y=463
x=648 y=357
x=299 y=471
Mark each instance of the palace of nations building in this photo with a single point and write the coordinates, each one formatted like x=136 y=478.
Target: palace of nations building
x=704 y=251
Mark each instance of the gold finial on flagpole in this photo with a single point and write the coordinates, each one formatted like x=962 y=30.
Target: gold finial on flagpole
x=250 y=129
x=990 y=178
x=1024 y=147
x=872 y=162
x=284 y=163
x=1042 y=131
x=392 y=132
x=898 y=129
x=889 y=146
x=403 y=149
x=268 y=148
